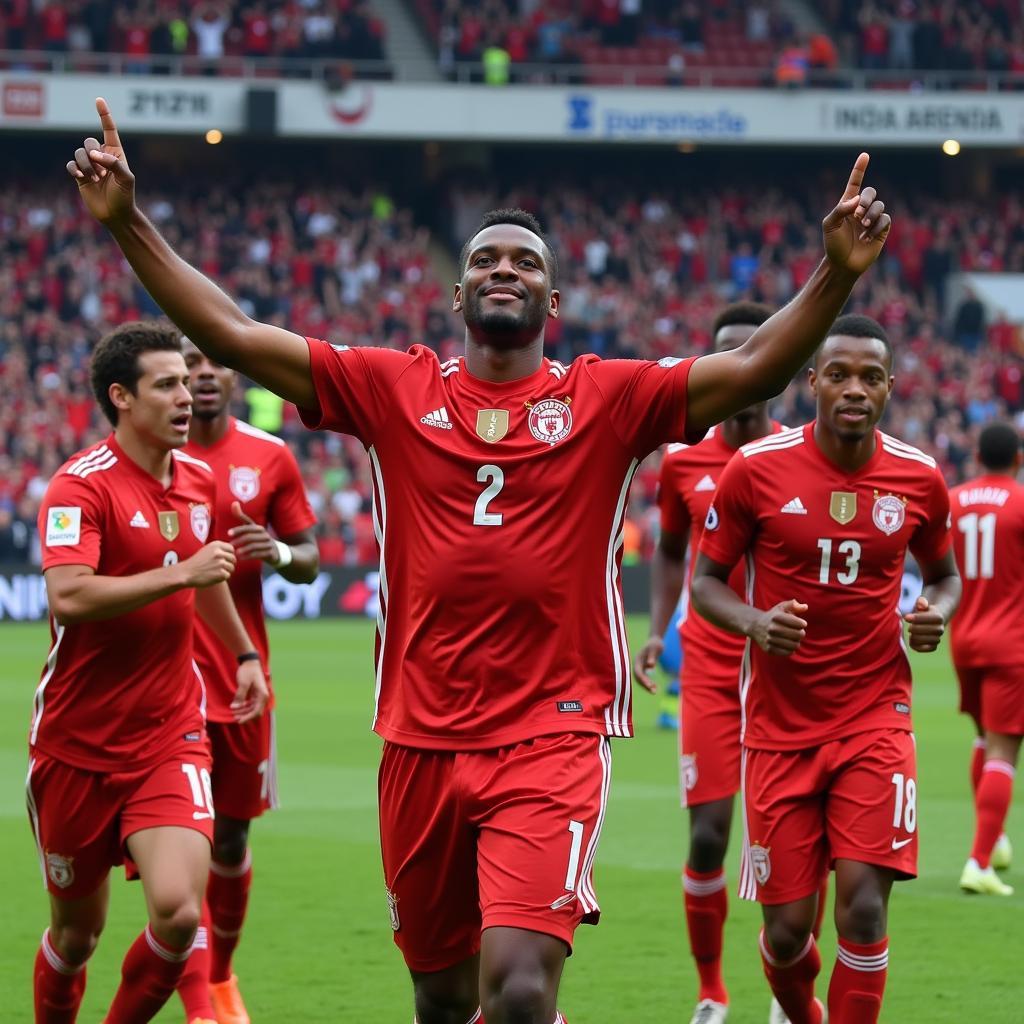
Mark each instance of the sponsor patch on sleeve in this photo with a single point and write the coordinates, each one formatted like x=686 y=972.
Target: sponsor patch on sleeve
x=63 y=526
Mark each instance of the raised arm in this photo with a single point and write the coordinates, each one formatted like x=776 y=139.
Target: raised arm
x=277 y=359
x=725 y=382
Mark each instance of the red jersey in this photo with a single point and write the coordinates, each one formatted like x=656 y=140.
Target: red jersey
x=499 y=511
x=689 y=475
x=835 y=541
x=255 y=469
x=116 y=694
x=988 y=539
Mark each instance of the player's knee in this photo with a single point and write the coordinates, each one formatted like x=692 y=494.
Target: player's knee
x=519 y=997
x=230 y=850
x=786 y=938
x=174 y=919
x=862 y=916
x=74 y=944
x=707 y=846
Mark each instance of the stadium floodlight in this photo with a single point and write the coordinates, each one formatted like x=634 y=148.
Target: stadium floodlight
x=951 y=147
x=214 y=135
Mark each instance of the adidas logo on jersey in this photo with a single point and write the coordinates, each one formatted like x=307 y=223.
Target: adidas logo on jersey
x=795 y=507
x=437 y=418
x=705 y=484
x=139 y=521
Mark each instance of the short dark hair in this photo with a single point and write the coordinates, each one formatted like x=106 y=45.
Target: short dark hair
x=752 y=313
x=855 y=325
x=520 y=218
x=998 y=446
x=115 y=359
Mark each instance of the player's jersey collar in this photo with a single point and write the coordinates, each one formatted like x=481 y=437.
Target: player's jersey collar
x=130 y=466
x=197 y=449
x=868 y=466
x=508 y=387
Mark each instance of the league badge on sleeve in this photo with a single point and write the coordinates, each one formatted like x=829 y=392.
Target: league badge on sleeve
x=63 y=526
x=199 y=519
x=889 y=513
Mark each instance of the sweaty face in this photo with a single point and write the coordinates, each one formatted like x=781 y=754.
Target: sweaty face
x=160 y=409
x=851 y=380
x=505 y=295
x=726 y=339
x=210 y=383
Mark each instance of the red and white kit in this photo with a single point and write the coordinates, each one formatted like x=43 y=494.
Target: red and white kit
x=709 y=734
x=499 y=509
x=119 y=711
x=988 y=629
x=829 y=759
x=257 y=470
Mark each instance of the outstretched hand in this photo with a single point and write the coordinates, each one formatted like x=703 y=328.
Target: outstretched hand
x=926 y=625
x=106 y=184
x=857 y=228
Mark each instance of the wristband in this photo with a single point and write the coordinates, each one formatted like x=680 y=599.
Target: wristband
x=248 y=656
x=284 y=555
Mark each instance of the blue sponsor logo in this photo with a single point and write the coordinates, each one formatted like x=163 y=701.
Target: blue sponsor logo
x=581 y=114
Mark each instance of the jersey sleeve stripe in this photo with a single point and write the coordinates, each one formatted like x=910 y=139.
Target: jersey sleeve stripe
x=748 y=884
x=777 y=446
x=98 y=453
x=178 y=454
x=912 y=456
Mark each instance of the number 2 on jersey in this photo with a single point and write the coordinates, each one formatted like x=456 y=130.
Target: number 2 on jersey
x=495 y=480
x=972 y=526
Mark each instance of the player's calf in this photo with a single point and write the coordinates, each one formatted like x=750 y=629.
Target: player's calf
x=519 y=976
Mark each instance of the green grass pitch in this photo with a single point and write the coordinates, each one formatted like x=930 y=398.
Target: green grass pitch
x=318 y=944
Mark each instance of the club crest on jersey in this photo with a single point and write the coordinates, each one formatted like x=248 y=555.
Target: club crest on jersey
x=244 y=482
x=842 y=506
x=168 y=523
x=550 y=420
x=491 y=424
x=761 y=863
x=889 y=513
x=59 y=869
x=393 y=909
x=199 y=519
x=688 y=771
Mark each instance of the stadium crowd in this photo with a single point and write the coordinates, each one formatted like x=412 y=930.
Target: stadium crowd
x=207 y=29
x=642 y=276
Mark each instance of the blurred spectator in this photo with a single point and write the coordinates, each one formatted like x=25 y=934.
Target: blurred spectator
x=969 y=322
x=792 y=66
x=495 y=60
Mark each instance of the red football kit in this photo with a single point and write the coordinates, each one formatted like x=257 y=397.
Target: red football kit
x=709 y=734
x=829 y=760
x=117 y=738
x=257 y=470
x=499 y=510
x=988 y=629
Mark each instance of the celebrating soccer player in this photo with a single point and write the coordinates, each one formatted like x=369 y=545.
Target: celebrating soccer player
x=988 y=641
x=258 y=486
x=709 y=756
x=119 y=766
x=823 y=515
x=500 y=486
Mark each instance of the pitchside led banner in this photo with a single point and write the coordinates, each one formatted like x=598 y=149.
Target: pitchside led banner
x=392 y=110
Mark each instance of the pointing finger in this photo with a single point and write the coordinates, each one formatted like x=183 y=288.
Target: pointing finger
x=110 y=136
x=860 y=167
x=236 y=508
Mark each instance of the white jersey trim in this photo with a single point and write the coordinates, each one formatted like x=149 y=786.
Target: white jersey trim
x=262 y=435
x=616 y=716
x=748 y=883
x=191 y=459
x=39 y=699
x=585 y=887
x=380 y=529
x=101 y=458
x=33 y=814
x=774 y=442
x=906 y=451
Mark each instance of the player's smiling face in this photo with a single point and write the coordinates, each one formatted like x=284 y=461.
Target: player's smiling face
x=159 y=410
x=210 y=383
x=851 y=380
x=505 y=295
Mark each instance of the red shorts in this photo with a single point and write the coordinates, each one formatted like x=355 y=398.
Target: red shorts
x=710 y=718
x=244 y=767
x=854 y=798
x=82 y=819
x=480 y=839
x=994 y=696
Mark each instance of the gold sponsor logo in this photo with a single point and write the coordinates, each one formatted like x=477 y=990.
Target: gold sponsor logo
x=168 y=522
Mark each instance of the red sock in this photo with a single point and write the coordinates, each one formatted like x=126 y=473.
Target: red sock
x=58 y=985
x=858 y=981
x=149 y=975
x=992 y=802
x=977 y=763
x=194 y=986
x=707 y=903
x=227 y=894
x=793 y=983
x=819 y=917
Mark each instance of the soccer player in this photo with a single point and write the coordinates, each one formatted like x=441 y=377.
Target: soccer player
x=258 y=486
x=824 y=515
x=501 y=480
x=988 y=639
x=709 y=761
x=119 y=767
